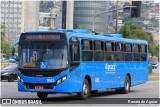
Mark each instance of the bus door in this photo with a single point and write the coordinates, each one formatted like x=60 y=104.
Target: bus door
x=75 y=61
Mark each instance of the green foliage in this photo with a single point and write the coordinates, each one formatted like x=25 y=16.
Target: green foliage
x=135 y=31
x=2 y=33
x=7 y=49
x=5 y=46
x=150 y=68
x=156 y=51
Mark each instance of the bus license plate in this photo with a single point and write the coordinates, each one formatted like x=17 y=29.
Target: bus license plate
x=39 y=87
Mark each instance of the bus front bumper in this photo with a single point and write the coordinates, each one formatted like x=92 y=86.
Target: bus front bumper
x=50 y=88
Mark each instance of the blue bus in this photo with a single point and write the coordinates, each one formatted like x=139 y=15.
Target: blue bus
x=75 y=61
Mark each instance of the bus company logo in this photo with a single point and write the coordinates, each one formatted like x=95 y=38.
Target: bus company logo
x=110 y=67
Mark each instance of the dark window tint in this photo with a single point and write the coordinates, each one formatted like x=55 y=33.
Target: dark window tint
x=143 y=52
x=127 y=47
x=118 y=46
x=74 y=52
x=87 y=50
x=143 y=49
x=98 y=56
x=99 y=51
x=98 y=45
x=135 y=48
x=143 y=57
x=109 y=46
x=119 y=52
x=128 y=56
x=136 y=57
x=119 y=56
x=109 y=56
x=87 y=55
x=136 y=54
x=87 y=45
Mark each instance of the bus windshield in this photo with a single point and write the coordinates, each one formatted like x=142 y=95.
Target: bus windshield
x=52 y=56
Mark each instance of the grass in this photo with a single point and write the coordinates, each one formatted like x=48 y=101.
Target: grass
x=154 y=79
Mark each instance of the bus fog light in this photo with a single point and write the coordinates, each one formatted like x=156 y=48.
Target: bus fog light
x=64 y=78
x=58 y=81
x=18 y=78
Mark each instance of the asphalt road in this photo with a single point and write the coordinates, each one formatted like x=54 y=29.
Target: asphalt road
x=146 y=90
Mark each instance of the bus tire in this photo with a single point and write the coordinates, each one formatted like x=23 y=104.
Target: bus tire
x=127 y=85
x=42 y=95
x=85 y=90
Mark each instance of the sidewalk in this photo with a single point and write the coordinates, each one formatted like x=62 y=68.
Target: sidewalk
x=154 y=76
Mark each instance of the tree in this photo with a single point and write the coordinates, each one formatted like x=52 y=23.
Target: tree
x=6 y=46
x=2 y=33
x=134 y=31
x=7 y=49
x=156 y=51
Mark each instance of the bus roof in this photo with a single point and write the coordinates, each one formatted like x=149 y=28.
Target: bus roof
x=83 y=33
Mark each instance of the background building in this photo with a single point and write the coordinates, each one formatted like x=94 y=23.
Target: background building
x=30 y=16
x=18 y=17
x=11 y=12
x=83 y=13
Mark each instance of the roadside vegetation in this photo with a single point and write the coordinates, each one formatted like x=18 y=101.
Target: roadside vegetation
x=5 y=45
x=134 y=31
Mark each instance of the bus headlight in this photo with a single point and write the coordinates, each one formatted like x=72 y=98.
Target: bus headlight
x=61 y=80
x=58 y=81
x=64 y=78
x=21 y=80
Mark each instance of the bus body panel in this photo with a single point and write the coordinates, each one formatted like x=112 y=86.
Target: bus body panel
x=103 y=74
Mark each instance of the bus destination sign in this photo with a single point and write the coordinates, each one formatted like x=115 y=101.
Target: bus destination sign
x=41 y=37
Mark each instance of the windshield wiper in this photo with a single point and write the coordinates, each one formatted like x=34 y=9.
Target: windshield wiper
x=61 y=59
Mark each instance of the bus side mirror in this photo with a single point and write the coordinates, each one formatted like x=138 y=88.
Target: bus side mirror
x=13 y=52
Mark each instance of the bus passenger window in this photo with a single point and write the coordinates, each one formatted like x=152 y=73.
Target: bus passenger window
x=136 y=54
x=119 y=52
x=128 y=52
x=87 y=50
x=99 y=51
x=109 y=54
x=143 y=52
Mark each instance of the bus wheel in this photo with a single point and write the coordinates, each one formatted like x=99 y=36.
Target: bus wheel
x=85 y=90
x=42 y=95
x=126 y=88
x=127 y=85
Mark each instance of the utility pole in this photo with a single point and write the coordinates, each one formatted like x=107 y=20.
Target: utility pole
x=116 y=27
